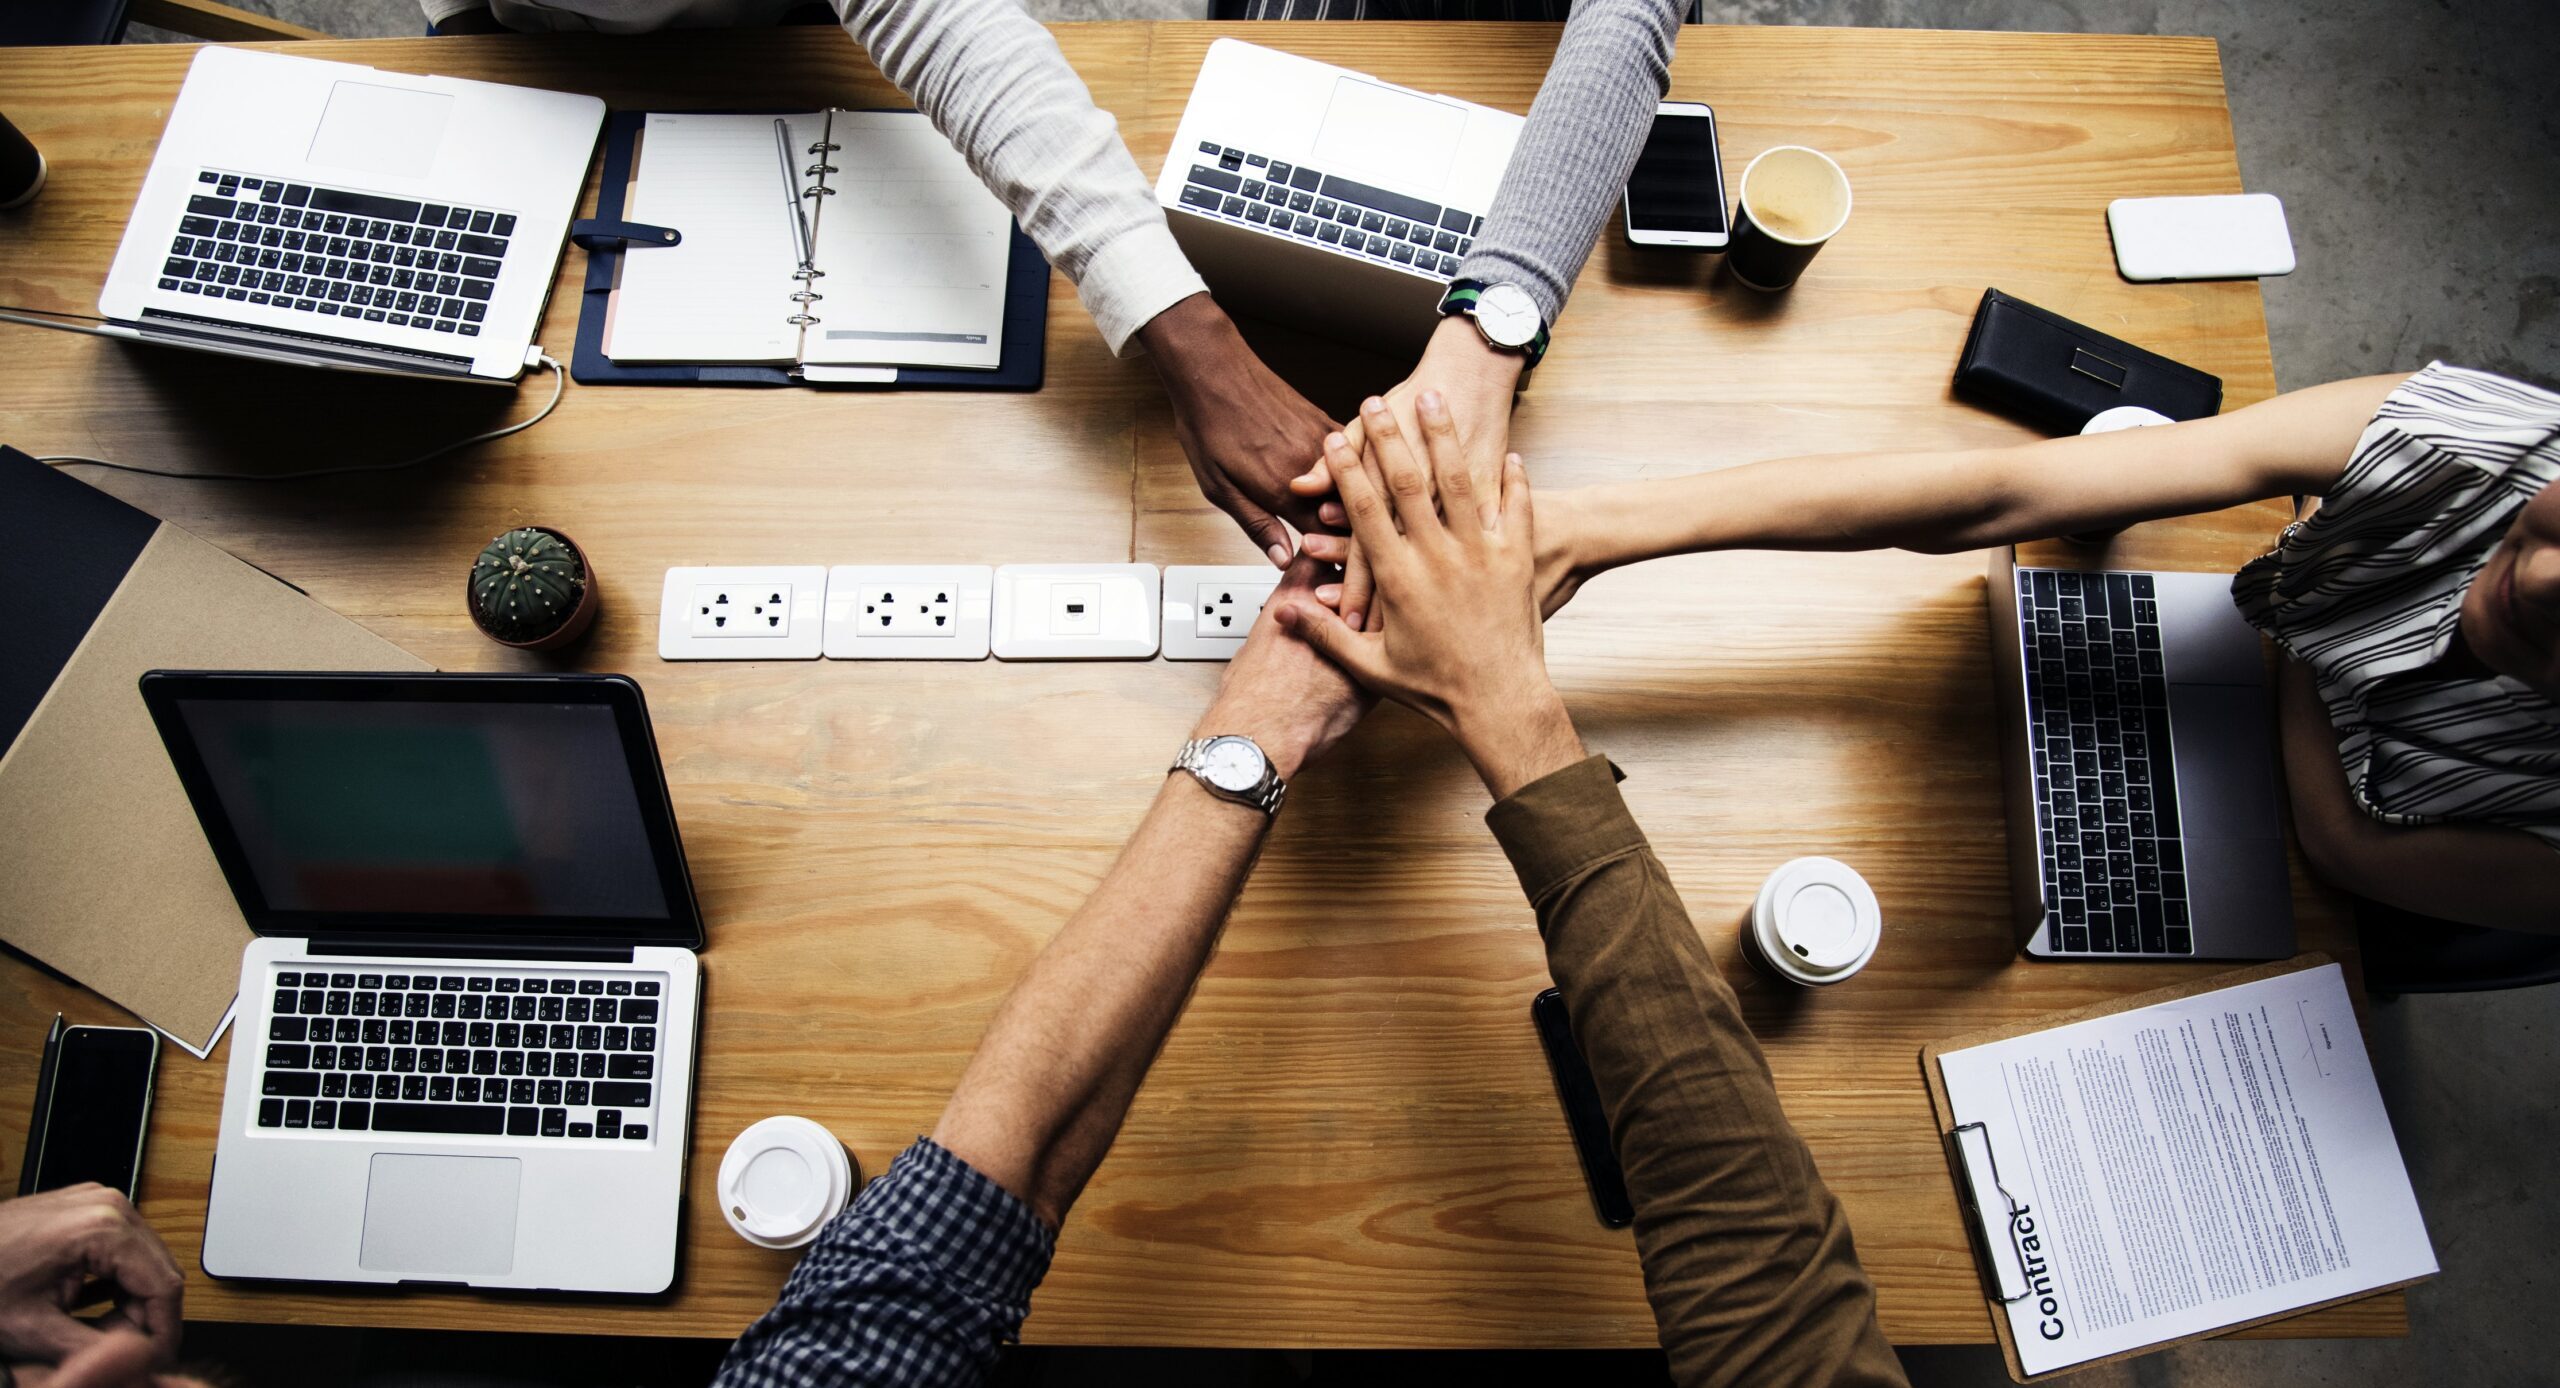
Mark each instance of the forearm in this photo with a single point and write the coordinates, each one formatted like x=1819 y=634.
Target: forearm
x=1585 y=128
x=992 y=80
x=2475 y=874
x=1039 y=1103
x=1747 y=1257
x=1974 y=498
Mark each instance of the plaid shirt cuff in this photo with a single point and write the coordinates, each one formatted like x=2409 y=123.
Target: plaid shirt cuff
x=920 y=1282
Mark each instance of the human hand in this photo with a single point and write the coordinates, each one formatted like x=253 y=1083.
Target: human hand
x=1559 y=519
x=53 y=1246
x=1455 y=632
x=1476 y=380
x=1245 y=431
x=1292 y=702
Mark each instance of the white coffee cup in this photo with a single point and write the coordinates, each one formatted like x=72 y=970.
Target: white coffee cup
x=1815 y=923
x=2116 y=418
x=782 y=1180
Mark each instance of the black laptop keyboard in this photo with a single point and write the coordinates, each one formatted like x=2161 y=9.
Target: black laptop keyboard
x=1356 y=218
x=334 y=253
x=2106 y=790
x=469 y=1052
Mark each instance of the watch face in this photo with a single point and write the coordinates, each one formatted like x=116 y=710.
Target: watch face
x=1232 y=763
x=1507 y=315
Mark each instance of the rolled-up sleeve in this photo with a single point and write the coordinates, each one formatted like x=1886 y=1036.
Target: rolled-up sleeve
x=922 y=1282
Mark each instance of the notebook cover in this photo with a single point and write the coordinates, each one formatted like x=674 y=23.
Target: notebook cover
x=66 y=539
x=1026 y=310
x=108 y=878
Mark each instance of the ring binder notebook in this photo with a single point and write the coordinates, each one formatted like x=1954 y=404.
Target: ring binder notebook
x=934 y=287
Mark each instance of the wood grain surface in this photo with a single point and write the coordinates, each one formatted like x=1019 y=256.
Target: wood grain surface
x=1351 y=1138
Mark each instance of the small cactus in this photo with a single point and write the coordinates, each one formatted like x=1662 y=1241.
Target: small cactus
x=528 y=585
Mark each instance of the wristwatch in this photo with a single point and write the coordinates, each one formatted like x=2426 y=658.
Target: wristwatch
x=1232 y=768
x=1504 y=313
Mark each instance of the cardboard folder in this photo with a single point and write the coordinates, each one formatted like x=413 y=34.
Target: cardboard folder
x=108 y=876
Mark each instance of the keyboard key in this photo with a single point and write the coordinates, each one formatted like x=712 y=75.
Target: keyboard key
x=644 y=1038
x=647 y=988
x=271 y=1113
x=1193 y=195
x=287 y=1029
x=1402 y=254
x=458 y=219
x=437 y=1118
x=1396 y=204
x=641 y=1009
x=635 y=1130
x=609 y=1123
x=578 y=1092
x=546 y=1091
x=480 y=246
x=631 y=1067
x=1258 y=212
x=363 y=204
x=614 y=1094
x=592 y=1066
x=555 y=1122
x=297 y=1113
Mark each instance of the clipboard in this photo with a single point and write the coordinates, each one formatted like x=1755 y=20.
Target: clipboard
x=1979 y=1185
x=606 y=238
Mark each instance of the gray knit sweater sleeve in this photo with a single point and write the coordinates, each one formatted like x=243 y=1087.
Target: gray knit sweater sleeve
x=1584 y=131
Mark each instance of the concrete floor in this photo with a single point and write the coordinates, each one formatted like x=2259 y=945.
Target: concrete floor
x=2412 y=144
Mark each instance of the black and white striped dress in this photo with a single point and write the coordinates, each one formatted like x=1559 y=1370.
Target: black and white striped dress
x=2367 y=590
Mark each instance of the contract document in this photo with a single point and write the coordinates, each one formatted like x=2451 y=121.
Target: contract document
x=2183 y=1168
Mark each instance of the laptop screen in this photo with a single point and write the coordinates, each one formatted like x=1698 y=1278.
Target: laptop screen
x=476 y=814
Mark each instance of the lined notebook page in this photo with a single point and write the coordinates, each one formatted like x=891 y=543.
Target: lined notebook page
x=914 y=248
x=724 y=293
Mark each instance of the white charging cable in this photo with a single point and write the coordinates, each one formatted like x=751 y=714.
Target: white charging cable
x=559 y=383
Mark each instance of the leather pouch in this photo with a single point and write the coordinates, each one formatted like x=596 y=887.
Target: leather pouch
x=2053 y=373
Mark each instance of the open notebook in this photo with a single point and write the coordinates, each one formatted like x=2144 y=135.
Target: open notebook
x=906 y=249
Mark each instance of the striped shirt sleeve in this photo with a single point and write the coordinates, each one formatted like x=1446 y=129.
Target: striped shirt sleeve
x=2367 y=593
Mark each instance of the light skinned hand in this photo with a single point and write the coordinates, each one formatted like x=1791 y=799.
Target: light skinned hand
x=53 y=1247
x=1455 y=633
x=1292 y=702
x=1475 y=381
x=1558 y=518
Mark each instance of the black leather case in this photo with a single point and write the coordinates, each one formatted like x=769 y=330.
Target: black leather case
x=2054 y=373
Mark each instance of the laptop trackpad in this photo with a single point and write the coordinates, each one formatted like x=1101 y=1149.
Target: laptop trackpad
x=381 y=130
x=440 y=1216
x=2226 y=762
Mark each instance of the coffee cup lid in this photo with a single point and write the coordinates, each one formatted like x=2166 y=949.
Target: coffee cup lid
x=2119 y=417
x=782 y=1180
x=1817 y=920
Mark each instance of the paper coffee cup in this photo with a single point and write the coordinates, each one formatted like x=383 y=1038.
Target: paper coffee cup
x=1815 y=923
x=2119 y=417
x=782 y=1180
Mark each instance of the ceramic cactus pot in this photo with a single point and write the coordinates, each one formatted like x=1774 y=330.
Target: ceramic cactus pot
x=531 y=588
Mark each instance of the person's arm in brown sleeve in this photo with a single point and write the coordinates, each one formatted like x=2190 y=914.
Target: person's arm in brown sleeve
x=1747 y=1257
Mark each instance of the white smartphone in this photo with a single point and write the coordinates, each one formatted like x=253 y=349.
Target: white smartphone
x=1675 y=196
x=2237 y=236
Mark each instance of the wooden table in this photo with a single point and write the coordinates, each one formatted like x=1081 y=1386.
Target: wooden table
x=1351 y=1138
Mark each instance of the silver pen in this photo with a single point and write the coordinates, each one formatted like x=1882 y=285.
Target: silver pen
x=791 y=192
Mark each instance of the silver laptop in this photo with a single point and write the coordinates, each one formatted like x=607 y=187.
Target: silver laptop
x=464 y=1041
x=1324 y=199
x=2137 y=738
x=342 y=216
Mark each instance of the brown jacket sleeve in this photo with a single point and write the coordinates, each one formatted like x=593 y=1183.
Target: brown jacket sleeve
x=1747 y=1258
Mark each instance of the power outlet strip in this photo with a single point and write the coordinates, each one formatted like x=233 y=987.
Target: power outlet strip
x=1076 y=611
x=755 y=613
x=909 y=611
x=1209 y=609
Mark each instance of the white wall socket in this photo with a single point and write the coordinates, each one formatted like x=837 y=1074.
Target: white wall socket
x=909 y=611
x=1076 y=611
x=1210 y=608
x=742 y=613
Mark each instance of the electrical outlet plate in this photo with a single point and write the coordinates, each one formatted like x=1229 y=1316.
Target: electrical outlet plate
x=1076 y=611
x=909 y=611
x=759 y=613
x=1210 y=608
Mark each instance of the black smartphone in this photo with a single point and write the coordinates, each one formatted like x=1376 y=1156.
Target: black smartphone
x=93 y=1101
x=1583 y=1115
x=1675 y=193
